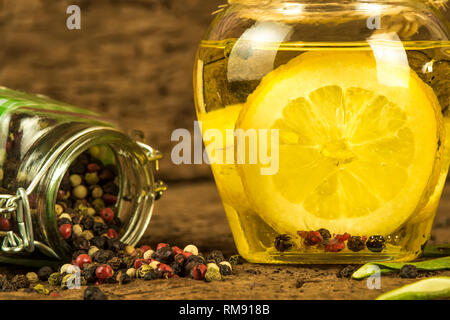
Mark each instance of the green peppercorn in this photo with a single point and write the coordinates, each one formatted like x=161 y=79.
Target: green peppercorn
x=98 y=205
x=375 y=243
x=94 y=151
x=91 y=178
x=212 y=273
x=75 y=180
x=39 y=288
x=77 y=230
x=283 y=242
x=32 y=277
x=80 y=192
x=236 y=259
x=143 y=270
x=96 y=192
x=355 y=243
x=58 y=209
x=55 y=279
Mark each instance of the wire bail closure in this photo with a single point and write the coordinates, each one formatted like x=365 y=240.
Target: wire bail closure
x=19 y=204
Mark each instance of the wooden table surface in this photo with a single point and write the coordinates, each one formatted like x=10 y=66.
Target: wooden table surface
x=192 y=213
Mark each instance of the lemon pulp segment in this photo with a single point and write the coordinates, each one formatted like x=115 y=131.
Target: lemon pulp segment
x=355 y=155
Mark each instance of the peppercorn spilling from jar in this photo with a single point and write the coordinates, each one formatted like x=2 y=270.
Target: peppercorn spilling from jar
x=86 y=203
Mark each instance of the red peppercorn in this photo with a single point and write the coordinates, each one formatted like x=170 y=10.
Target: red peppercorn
x=139 y=262
x=107 y=214
x=93 y=167
x=198 y=272
x=160 y=245
x=109 y=199
x=334 y=245
x=112 y=234
x=104 y=272
x=176 y=250
x=60 y=195
x=313 y=237
x=342 y=237
x=65 y=230
x=82 y=260
x=5 y=224
x=165 y=270
x=145 y=248
x=364 y=238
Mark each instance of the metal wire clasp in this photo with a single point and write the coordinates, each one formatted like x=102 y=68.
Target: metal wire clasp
x=154 y=156
x=19 y=204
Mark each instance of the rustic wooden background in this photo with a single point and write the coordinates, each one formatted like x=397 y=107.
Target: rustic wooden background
x=132 y=61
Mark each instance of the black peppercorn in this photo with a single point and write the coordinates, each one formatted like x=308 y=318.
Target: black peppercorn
x=111 y=188
x=115 y=263
x=326 y=235
x=94 y=293
x=89 y=273
x=99 y=242
x=63 y=221
x=375 y=243
x=180 y=259
x=80 y=243
x=283 y=242
x=87 y=222
x=408 y=271
x=100 y=228
x=177 y=268
x=20 y=281
x=152 y=275
x=103 y=256
x=164 y=255
x=77 y=168
x=7 y=286
x=114 y=245
x=355 y=243
x=346 y=272
x=215 y=256
x=225 y=270
x=44 y=273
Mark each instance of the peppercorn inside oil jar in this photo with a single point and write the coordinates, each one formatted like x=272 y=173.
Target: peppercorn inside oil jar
x=326 y=125
x=57 y=159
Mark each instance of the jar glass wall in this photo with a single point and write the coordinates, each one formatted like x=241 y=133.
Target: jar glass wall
x=41 y=139
x=347 y=104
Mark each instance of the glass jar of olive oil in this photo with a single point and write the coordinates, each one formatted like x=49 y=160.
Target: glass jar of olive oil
x=39 y=139
x=326 y=124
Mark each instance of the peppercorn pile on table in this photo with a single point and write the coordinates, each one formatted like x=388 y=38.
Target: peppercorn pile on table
x=191 y=217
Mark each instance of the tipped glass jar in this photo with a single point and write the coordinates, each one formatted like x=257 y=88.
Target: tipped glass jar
x=326 y=123
x=40 y=138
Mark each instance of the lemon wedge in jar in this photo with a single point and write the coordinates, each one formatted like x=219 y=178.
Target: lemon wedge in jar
x=355 y=155
x=217 y=146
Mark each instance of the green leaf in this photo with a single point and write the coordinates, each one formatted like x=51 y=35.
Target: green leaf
x=385 y=267
x=431 y=288
x=438 y=250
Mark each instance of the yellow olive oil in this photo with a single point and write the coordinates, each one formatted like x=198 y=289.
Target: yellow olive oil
x=328 y=102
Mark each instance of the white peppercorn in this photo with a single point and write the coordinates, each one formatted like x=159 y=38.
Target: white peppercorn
x=191 y=249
